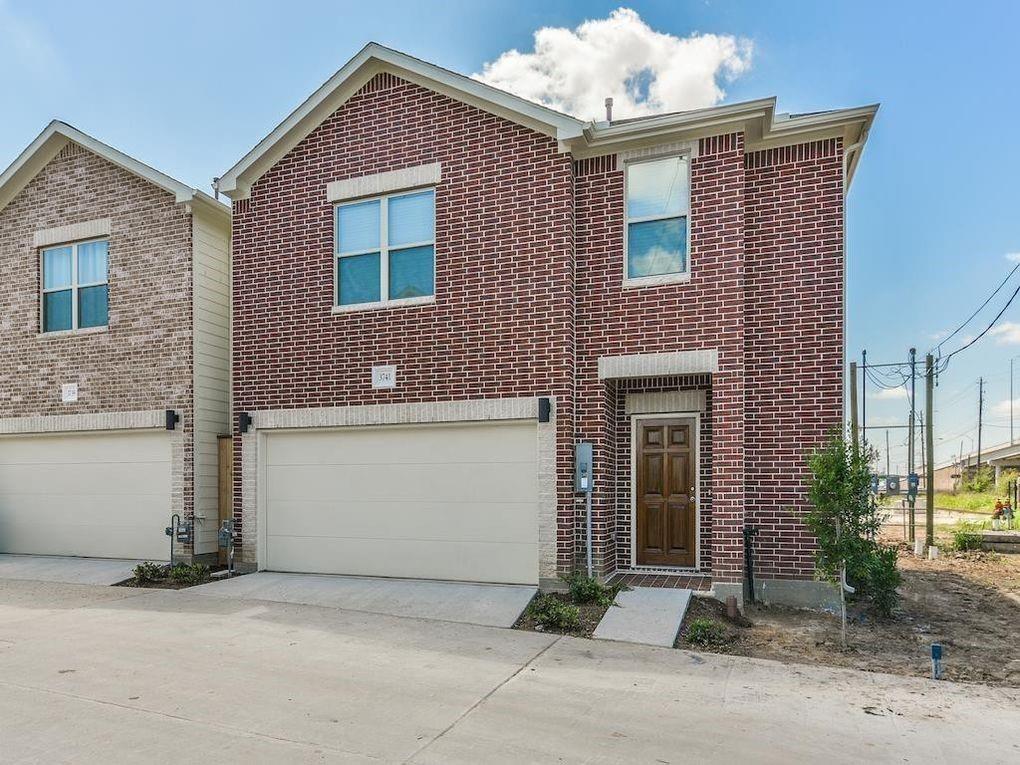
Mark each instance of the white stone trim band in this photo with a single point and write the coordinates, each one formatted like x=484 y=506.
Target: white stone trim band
x=72 y=232
x=659 y=364
x=398 y=414
x=666 y=401
x=382 y=183
x=68 y=423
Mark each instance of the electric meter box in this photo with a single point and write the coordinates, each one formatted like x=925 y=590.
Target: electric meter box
x=583 y=466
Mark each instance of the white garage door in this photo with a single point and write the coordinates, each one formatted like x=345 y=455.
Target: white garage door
x=425 y=501
x=103 y=495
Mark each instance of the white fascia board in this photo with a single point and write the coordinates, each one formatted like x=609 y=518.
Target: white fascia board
x=56 y=135
x=372 y=59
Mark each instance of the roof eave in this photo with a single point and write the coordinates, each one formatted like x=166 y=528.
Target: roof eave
x=370 y=60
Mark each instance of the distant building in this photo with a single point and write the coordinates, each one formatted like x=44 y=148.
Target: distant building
x=949 y=474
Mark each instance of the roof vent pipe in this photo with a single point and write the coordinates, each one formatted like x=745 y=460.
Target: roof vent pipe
x=609 y=109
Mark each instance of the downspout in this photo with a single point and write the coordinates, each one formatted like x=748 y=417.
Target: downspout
x=848 y=151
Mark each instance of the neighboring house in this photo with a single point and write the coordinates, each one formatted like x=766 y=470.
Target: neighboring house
x=441 y=288
x=114 y=376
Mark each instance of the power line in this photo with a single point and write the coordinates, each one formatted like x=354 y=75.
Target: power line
x=980 y=308
x=945 y=362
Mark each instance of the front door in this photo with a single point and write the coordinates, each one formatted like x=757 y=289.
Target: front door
x=665 y=493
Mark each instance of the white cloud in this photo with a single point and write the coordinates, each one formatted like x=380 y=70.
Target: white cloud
x=1002 y=407
x=1013 y=257
x=645 y=71
x=936 y=336
x=890 y=394
x=1007 y=333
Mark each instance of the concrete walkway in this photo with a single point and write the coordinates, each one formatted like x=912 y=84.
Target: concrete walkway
x=42 y=568
x=492 y=605
x=112 y=675
x=647 y=615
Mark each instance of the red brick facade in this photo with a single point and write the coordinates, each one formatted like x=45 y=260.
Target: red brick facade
x=530 y=294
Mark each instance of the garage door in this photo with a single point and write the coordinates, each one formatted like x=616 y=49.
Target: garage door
x=104 y=495
x=433 y=502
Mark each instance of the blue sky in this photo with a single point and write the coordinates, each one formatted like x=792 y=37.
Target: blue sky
x=933 y=213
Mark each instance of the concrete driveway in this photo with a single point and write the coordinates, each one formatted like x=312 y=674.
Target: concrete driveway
x=91 y=674
x=493 y=605
x=44 y=568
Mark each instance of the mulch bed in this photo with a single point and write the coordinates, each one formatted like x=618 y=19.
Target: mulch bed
x=591 y=614
x=969 y=602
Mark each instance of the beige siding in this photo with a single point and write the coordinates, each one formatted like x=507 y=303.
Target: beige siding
x=212 y=368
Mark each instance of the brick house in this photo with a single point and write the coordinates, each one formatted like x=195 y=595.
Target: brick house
x=114 y=376
x=440 y=289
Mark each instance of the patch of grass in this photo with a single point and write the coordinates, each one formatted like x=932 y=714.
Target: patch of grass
x=967 y=536
x=585 y=589
x=551 y=613
x=148 y=572
x=706 y=633
x=185 y=574
x=967 y=501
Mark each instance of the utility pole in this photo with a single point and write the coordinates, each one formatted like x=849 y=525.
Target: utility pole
x=912 y=498
x=853 y=405
x=929 y=473
x=1011 y=400
x=887 y=452
x=981 y=407
x=864 y=398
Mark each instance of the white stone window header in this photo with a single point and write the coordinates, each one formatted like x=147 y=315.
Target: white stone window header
x=72 y=232
x=383 y=183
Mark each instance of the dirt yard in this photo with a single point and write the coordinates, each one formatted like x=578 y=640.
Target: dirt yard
x=969 y=602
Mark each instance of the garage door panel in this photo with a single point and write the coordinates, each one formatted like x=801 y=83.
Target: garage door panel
x=503 y=521
x=87 y=494
x=69 y=479
x=389 y=445
x=426 y=501
x=461 y=561
x=59 y=448
x=410 y=482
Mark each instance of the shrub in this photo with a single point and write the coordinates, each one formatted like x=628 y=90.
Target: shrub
x=148 y=572
x=553 y=614
x=585 y=589
x=185 y=574
x=706 y=633
x=967 y=537
x=880 y=579
x=979 y=480
x=845 y=521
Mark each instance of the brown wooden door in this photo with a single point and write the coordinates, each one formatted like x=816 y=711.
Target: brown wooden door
x=665 y=495
x=225 y=445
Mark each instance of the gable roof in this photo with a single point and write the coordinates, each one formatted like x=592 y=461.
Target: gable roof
x=757 y=119
x=371 y=60
x=58 y=134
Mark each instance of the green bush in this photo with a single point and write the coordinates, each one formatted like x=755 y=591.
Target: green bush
x=967 y=537
x=585 y=589
x=148 y=572
x=845 y=521
x=880 y=580
x=979 y=480
x=706 y=633
x=553 y=614
x=185 y=574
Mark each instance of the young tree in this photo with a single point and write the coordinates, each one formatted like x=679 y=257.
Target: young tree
x=845 y=521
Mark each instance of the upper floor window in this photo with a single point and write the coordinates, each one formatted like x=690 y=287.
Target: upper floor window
x=385 y=249
x=75 y=291
x=658 y=203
